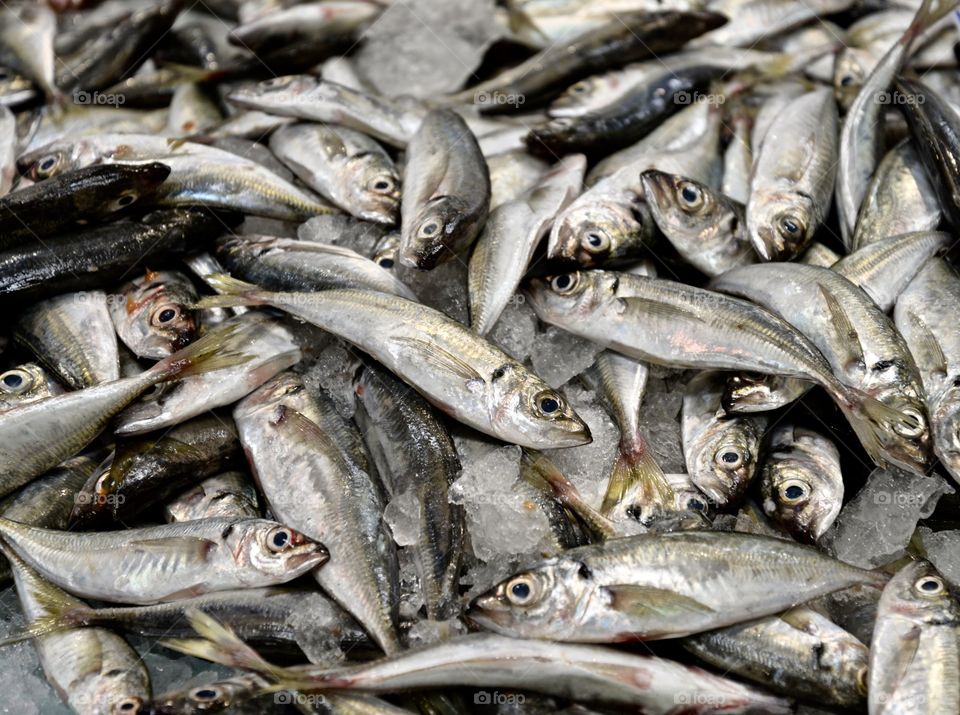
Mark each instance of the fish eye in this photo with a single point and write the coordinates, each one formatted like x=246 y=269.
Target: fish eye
x=793 y=491
x=386 y=262
x=128 y=706
x=548 y=403
x=205 y=694
x=846 y=80
x=694 y=504
x=579 y=88
x=429 y=228
x=47 y=164
x=730 y=458
x=382 y=185
x=15 y=382
x=596 y=242
x=521 y=591
x=279 y=539
x=929 y=586
x=790 y=226
x=912 y=426
x=564 y=284
x=690 y=195
x=276 y=82
x=165 y=314
x=126 y=200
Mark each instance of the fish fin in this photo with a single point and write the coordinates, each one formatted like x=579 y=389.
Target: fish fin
x=520 y=21
x=929 y=12
x=928 y=345
x=635 y=473
x=843 y=325
x=216 y=350
x=233 y=292
x=649 y=601
x=179 y=544
x=440 y=358
x=639 y=308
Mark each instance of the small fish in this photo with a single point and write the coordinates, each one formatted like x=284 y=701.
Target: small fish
x=24 y=384
x=226 y=495
x=801 y=482
x=218 y=696
x=152 y=314
x=164 y=563
x=446 y=194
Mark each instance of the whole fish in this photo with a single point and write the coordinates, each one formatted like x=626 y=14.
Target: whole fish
x=24 y=384
x=226 y=495
x=342 y=165
x=653 y=586
x=40 y=435
x=73 y=337
x=646 y=683
x=923 y=316
x=145 y=471
x=288 y=264
x=463 y=375
x=801 y=482
x=862 y=345
x=793 y=176
x=799 y=652
x=309 y=480
x=675 y=324
x=169 y=562
x=152 y=314
x=722 y=451
x=272 y=348
x=75 y=197
x=511 y=236
x=914 y=657
x=707 y=228
x=199 y=174
x=414 y=452
x=446 y=191
x=94 y=670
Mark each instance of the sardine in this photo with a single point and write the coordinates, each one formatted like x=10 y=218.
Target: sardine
x=26 y=383
x=152 y=314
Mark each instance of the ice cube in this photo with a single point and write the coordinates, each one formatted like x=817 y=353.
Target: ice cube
x=660 y=420
x=515 y=332
x=402 y=515
x=444 y=288
x=559 y=356
x=333 y=371
x=427 y=632
x=943 y=551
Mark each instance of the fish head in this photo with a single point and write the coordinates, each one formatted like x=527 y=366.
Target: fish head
x=119 y=691
x=435 y=234
x=849 y=74
x=576 y=95
x=906 y=442
x=153 y=316
x=594 y=232
x=780 y=223
x=725 y=463
x=277 y=91
x=753 y=392
x=687 y=209
x=93 y=504
x=24 y=384
x=537 y=415
x=570 y=295
x=143 y=182
x=798 y=498
x=945 y=419
x=273 y=549
x=536 y=603
x=206 y=698
x=918 y=593
x=376 y=188
x=57 y=157
x=285 y=388
x=386 y=252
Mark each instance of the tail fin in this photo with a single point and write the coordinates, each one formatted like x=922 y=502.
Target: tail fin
x=233 y=292
x=930 y=12
x=636 y=476
x=62 y=617
x=217 y=349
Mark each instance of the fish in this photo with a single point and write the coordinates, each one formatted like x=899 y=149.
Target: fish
x=707 y=228
x=75 y=198
x=819 y=254
x=218 y=696
x=619 y=679
x=793 y=177
x=414 y=453
x=225 y=495
x=344 y=166
x=311 y=481
x=674 y=324
x=748 y=23
x=511 y=236
x=8 y=150
x=148 y=470
x=26 y=43
x=93 y=669
x=797 y=653
x=297 y=265
x=15 y=89
x=599 y=91
x=654 y=586
x=154 y=564
x=40 y=435
x=861 y=343
x=923 y=316
x=801 y=482
x=460 y=373
x=446 y=195
x=914 y=649
x=192 y=111
x=26 y=383
x=721 y=451
x=72 y=335
x=325 y=24
x=152 y=314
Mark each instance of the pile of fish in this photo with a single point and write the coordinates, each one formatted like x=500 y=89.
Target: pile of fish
x=454 y=356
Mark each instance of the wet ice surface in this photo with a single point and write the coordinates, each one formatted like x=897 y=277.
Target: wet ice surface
x=402 y=515
x=943 y=551
x=515 y=332
x=560 y=356
x=426 y=47
x=875 y=527
x=333 y=371
x=660 y=418
x=444 y=288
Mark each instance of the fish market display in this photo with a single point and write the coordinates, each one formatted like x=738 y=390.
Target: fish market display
x=494 y=357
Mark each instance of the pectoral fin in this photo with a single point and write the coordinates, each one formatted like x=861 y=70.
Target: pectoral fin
x=850 y=339
x=441 y=359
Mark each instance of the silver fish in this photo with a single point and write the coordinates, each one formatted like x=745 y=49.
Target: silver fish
x=27 y=33
x=152 y=314
x=226 y=495
x=24 y=384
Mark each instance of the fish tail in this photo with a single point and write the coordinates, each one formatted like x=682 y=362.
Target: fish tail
x=63 y=617
x=930 y=11
x=635 y=473
x=216 y=350
x=233 y=292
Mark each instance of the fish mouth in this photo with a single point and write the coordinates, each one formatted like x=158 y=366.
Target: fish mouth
x=312 y=555
x=655 y=184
